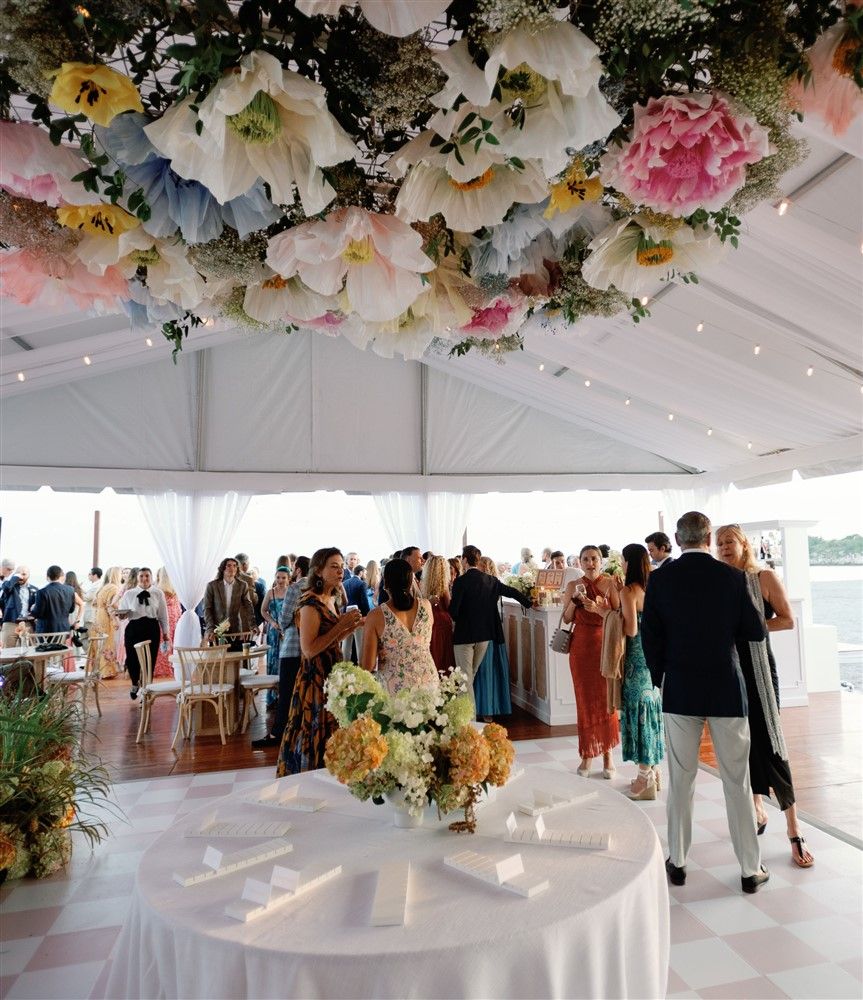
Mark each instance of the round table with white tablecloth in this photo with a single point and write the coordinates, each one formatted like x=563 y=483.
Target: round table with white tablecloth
x=601 y=929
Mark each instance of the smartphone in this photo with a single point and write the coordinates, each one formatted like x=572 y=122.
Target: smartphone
x=352 y=607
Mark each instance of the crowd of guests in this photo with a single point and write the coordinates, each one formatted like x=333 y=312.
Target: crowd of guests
x=693 y=649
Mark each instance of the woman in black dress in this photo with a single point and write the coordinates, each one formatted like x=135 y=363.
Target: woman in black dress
x=768 y=757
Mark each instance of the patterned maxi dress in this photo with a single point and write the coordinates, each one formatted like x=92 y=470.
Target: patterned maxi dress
x=598 y=730
x=404 y=657
x=274 y=641
x=163 y=667
x=106 y=624
x=310 y=725
x=641 y=707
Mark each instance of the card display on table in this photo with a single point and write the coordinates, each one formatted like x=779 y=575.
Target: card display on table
x=507 y=873
x=391 y=895
x=284 y=885
x=537 y=834
x=215 y=828
x=215 y=864
x=545 y=801
x=285 y=797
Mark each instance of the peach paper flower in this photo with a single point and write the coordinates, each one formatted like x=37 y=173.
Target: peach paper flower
x=832 y=92
x=685 y=153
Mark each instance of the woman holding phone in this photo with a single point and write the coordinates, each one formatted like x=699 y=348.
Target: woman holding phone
x=598 y=729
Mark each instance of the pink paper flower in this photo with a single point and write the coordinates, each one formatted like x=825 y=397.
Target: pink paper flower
x=685 y=153
x=55 y=282
x=832 y=93
x=33 y=167
x=500 y=318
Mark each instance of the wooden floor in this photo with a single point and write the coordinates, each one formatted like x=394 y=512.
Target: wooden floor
x=825 y=742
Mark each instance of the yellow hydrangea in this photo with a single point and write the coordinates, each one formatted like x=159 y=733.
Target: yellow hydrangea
x=469 y=757
x=353 y=752
x=99 y=220
x=94 y=90
x=501 y=753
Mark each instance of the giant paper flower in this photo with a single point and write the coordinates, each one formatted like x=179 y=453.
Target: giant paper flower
x=31 y=280
x=633 y=255
x=378 y=259
x=832 y=92
x=33 y=167
x=259 y=122
x=96 y=91
x=99 y=219
x=275 y=298
x=553 y=74
x=392 y=17
x=470 y=193
x=176 y=203
x=685 y=153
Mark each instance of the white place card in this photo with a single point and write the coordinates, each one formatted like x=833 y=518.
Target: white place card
x=539 y=827
x=232 y=862
x=212 y=857
x=310 y=878
x=256 y=891
x=391 y=895
x=285 y=797
x=213 y=827
x=285 y=878
x=485 y=869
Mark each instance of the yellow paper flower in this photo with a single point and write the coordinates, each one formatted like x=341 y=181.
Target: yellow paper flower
x=94 y=90
x=576 y=188
x=99 y=220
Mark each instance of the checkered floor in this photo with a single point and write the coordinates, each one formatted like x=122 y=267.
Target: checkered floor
x=799 y=937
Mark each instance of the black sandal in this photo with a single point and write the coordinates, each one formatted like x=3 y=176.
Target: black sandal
x=797 y=853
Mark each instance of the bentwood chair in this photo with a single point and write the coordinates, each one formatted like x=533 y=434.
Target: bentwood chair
x=253 y=681
x=44 y=638
x=151 y=689
x=85 y=678
x=202 y=679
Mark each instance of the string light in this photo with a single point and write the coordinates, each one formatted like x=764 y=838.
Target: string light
x=87 y=360
x=710 y=432
x=671 y=416
x=587 y=383
x=627 y=401
x=749 y=445
x=782 y=207
x=542 y=368
x=149 y=342
x=756 y=350
x=699 y=328
x=21 y=378
x=644 y=299
x=810 y=371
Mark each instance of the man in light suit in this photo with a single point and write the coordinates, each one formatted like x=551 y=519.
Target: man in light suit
x=473 y=608
x=228 y=597
x=694 y=612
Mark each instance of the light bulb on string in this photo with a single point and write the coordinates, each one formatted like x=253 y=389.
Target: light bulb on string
x=710 y=432
x=699 y=328
x=782 y=207
x=87 y=360
x=149 y=341
x=671 y=416
x=587 y=383
x=756 y=350
x=627 y=401
x=810 y=371
x=22 y=376
x=542 y=368
x=644 y=299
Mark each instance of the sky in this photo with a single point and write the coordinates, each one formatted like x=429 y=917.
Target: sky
x=44 y=527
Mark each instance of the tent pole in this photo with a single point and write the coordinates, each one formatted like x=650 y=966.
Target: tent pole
x=97 y=515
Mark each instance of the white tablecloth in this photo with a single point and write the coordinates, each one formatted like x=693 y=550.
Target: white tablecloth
x=601 y=929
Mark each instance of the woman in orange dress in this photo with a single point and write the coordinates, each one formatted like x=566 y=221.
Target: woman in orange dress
x=163 y=666
x=598 y=729
x=321 y=629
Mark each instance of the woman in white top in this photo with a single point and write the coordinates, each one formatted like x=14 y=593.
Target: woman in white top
x=398 y=634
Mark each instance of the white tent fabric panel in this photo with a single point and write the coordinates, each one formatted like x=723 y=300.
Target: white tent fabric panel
x=135 y=418
x=472 y=430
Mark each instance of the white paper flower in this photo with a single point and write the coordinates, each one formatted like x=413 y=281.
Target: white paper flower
x=276 y=298
x=378 y=259
x=553 y=76
x=173 y=279
x=260 y=121
x=633 y=255
x=392 y=17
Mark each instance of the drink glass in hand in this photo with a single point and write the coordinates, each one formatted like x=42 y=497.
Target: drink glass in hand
x=580 y=591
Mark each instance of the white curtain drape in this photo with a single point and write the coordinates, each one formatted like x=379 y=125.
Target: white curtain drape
x=714 y=502
x=434 y=521
x=191 y=531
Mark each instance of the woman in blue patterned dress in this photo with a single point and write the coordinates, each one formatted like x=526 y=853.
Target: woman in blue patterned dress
x=271 y=611
x=641 y=704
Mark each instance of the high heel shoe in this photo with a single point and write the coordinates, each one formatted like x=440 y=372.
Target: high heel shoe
x=761 y=827
x=645 y=794
x=657 y=777
x=609 y=772
x=584 y=771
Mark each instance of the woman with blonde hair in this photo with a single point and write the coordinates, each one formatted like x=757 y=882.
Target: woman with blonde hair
x=106 y=622
x=491 y=681
x=487 y=565
x=162 y=666
x=768 y=756
x=436 y=589
x=373 y=581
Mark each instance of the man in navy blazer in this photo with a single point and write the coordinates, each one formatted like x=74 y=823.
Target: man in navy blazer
x=473 y=608
x=17 y=597
x=54 y=603
x=695 y=611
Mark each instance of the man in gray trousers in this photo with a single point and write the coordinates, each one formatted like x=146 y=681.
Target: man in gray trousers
x=694 y=611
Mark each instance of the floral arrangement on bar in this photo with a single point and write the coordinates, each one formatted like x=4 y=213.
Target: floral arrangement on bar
x=419 y=741
x=411 y=176
x=522 y=582
x=49 y=786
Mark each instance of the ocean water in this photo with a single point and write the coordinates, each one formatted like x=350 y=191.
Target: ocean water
x=840 y=603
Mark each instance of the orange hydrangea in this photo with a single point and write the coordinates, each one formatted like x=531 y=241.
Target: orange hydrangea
x=501 y=753
x=469 y=757
x=351 y=753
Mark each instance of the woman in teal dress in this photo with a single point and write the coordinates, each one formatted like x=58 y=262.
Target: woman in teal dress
x=271 y=611
x=641 y=704
x=491 y=682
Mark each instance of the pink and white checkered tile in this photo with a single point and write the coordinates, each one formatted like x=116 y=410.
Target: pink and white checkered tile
x=799 y=937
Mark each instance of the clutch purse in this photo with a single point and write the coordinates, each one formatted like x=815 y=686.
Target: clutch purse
x=561 y=638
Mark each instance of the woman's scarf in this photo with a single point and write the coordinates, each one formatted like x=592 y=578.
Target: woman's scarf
x=763 y=679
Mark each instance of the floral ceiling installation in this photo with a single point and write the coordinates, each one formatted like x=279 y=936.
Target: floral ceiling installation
x=405 y=175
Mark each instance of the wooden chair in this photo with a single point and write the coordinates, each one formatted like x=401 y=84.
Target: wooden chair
x=202 y=679
x=253 y=681
x=85 y=678
x=151 y=689
x=38 y=638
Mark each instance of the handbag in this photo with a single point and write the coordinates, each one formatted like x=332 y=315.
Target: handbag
x=561 y=637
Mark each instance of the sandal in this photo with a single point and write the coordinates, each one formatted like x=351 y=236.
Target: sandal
x=797 y=850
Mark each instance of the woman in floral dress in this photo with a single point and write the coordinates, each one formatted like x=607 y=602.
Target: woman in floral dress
x=163 y=666
x=106 y=622
x=321 y=629
x=398 y=634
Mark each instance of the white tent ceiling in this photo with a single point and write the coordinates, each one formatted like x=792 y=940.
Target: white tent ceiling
x=269 y=412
